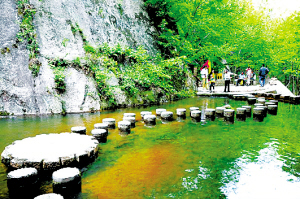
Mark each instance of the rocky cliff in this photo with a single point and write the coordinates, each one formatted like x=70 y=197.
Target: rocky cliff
x=101 y=21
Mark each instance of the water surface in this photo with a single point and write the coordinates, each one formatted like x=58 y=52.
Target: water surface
x=181 y=159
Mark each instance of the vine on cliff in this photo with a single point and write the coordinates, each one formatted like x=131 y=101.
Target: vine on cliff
x=27 y=33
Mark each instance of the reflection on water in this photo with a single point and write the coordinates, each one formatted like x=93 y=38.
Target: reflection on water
x=263 y=178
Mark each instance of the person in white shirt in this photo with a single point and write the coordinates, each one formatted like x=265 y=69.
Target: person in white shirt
x=227 y=81
x=204 y=76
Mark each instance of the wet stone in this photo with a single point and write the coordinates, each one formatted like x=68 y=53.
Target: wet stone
x=143 y=113
x=50 y=151
x=275 y=96
x=129 y=115
x=124 y=126
x=261 y=101
x=150 y=120
x=274 y=101
x=284 y=98
x=295 y=99
x=67 y=182
x=101 y=126
x=258 y=104
x=248 y=110
x=265 y=110
x=269 y=103
x=181 y=112
x=196 y=114
x=49 y=196
x=272 y=109
x=258 y=114
x=241 y=114
x=210 y=113
x=220 y=111
x=111 y=122
x=100 y=135
x=24 y=178
x=193 y=109
x=167 y=115
x=229 y=114
x=159 y=111
x=131 y=120
x=251 y=101
x=79 y=129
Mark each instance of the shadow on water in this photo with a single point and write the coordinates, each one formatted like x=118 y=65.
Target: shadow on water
x=182 y=159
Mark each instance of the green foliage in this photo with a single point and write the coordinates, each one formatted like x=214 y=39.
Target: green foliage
x=27 y=33
x=65 y=42
x=4 y=113
x=58 y=66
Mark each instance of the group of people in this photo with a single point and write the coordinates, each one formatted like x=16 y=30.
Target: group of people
x=210 y=79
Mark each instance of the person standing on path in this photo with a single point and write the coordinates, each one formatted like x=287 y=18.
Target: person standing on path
x=227 y=81
x=212 y=78
x=204 y=76
x=262 y=75
x=249 y=74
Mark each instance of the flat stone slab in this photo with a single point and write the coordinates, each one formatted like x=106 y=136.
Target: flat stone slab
x=50 y=151
x=49 y=196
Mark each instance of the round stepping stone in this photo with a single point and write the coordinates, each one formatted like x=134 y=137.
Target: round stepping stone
x=251 y=101
x=50 y=196
x=124 y=126
x=167 y=115
x=229 y=114
x=210 y=112
x=258 y=104
x=274 y=101
x=220 y=111
x=51 y=151
x=101 y=126
x=131 y=120
x=79 y=129
x=272 y=109
x=150 y=119
x=25 y=178
x=241 y=113
x=196 y=114
x=194 y=108
x=143 y=113
x=111 y=122
x=261 y=101
x=265 y=110
x=276 y=96
x=258 y=114
x=295 y=99
x=159 y=111
x=100 y=135
x=248 y=110
x=181 y=112
x=66 y=181
x=129 y=115
x=269 y=103
x=285 y=97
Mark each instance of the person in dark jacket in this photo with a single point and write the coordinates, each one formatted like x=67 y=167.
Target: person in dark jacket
x=262 y=75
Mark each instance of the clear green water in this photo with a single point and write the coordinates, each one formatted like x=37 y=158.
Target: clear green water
x=180 y=159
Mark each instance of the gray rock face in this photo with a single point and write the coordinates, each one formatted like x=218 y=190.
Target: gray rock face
x=101 y=21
